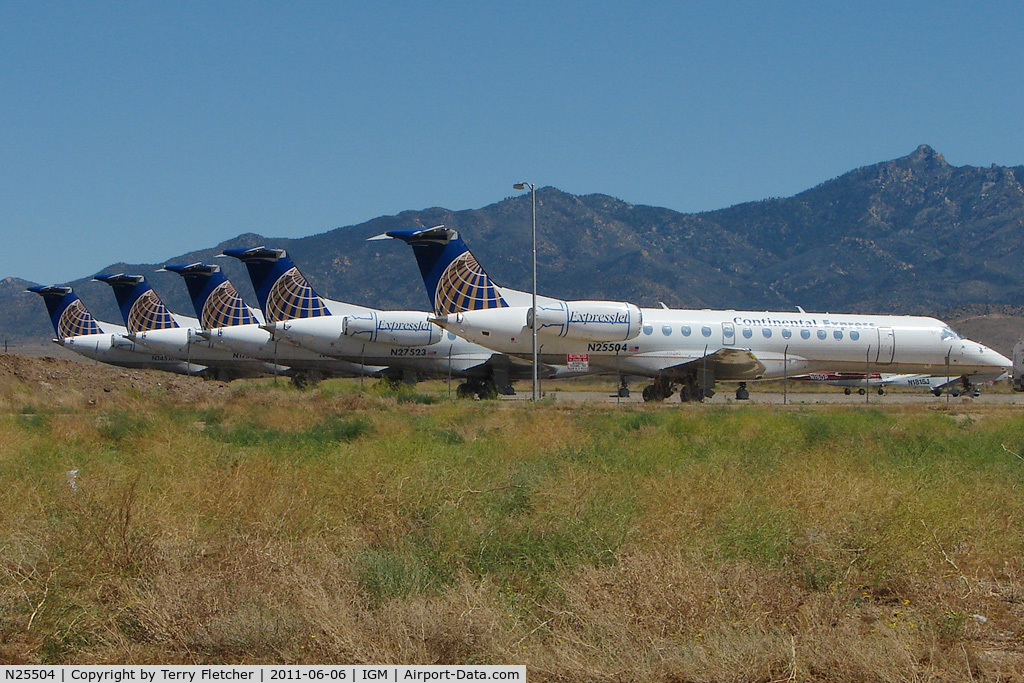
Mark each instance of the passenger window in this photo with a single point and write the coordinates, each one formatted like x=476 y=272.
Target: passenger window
x=648 y=329
x=786 y=334
x=805 y=334
x=767 y=332
x=821 y=334
x=854 y=335
x=451 y=336
x=666 y=330
x=838 y=334
x=747 y=334
x=706 y=331
x=685 y=330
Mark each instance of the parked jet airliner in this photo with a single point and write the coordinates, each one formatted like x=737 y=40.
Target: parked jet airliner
x=78 y=331
x=228 y=322
x=152 y=325
x=688 y=348
x=403 y=341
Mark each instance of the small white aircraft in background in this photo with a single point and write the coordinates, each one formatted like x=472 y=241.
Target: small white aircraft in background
x=691 y=349
x=935 y=384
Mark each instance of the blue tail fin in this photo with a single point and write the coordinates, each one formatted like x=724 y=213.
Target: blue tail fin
x=140 y=306
x=454 y=280
x=280 y=288
x=68 y=314
x=216 y=300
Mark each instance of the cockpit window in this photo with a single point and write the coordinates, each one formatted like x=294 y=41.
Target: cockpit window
x=948 y=334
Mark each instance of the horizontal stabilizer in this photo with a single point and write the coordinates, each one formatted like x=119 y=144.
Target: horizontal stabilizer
x=217 y=302
x=454 y=279
x=282 y=291
x=141 y=307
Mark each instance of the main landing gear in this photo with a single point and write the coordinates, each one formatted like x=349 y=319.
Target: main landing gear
x=965 y=389
x=742 y=394
x=694 y=387
x=484 y=389
x=659 y=391
x=880 y=391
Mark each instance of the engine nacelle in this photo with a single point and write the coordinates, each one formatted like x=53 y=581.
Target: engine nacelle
x=398 y=328
x=589 y=320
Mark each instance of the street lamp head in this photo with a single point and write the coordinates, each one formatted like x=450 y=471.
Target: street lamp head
x=519 y=186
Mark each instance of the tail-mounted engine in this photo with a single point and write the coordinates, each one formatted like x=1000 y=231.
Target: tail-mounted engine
x=589 y=320
x=397 y=328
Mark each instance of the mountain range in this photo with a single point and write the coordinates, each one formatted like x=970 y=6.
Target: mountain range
x=914 y=235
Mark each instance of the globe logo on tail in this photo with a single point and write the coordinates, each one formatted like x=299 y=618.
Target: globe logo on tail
x=225 y=308
x=149 y=313
x=76 y=321
x=464 y=286
x=291 y=297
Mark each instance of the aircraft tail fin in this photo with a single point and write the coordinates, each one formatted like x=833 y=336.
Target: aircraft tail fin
x=283 y=293
x=68 y=314
x=217 y=302
x=455 y=281
x=141 y=307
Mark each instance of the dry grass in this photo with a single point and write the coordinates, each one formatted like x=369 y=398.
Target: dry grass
x=592 y=543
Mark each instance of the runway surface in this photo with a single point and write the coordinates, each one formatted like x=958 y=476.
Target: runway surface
x=836 y=397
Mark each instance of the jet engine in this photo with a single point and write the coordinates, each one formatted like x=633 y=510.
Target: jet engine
x=589 y=320
x=398 y=328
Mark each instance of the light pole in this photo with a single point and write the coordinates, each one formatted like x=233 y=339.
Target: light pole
x=533 y=322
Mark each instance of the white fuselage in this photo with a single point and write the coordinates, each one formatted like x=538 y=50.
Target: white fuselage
x=253 y=341
x=396 y=339
x=186 y=344
x=785 y=344
x=111 y=347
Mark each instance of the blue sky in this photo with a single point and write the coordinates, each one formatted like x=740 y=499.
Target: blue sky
x=137 y=131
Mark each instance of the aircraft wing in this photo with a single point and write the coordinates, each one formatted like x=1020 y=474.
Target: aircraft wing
x=728 y=364
x=517 y=368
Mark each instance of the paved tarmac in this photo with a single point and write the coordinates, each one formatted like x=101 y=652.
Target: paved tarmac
x=836 y=397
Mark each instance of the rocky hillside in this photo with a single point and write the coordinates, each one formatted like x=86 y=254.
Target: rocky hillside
x=911 y=235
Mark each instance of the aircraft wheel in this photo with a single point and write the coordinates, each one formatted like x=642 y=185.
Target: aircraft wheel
x=937 y=392
x=861 y=391
x=464 y=390
x=881 y=391
x=847 y=391
x=742 y=394
x=684 y=394
x=648 y=393
x=487 y=391
x=955 y=392
x=623 y=392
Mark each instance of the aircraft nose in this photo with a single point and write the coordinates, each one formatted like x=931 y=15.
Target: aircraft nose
x=998 y=358
x=981 y=355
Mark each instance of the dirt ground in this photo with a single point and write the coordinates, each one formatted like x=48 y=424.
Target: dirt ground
x=56 y=382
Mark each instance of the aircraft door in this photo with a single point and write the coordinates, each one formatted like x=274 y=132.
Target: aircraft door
x=728 y=334
x=886 y=345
